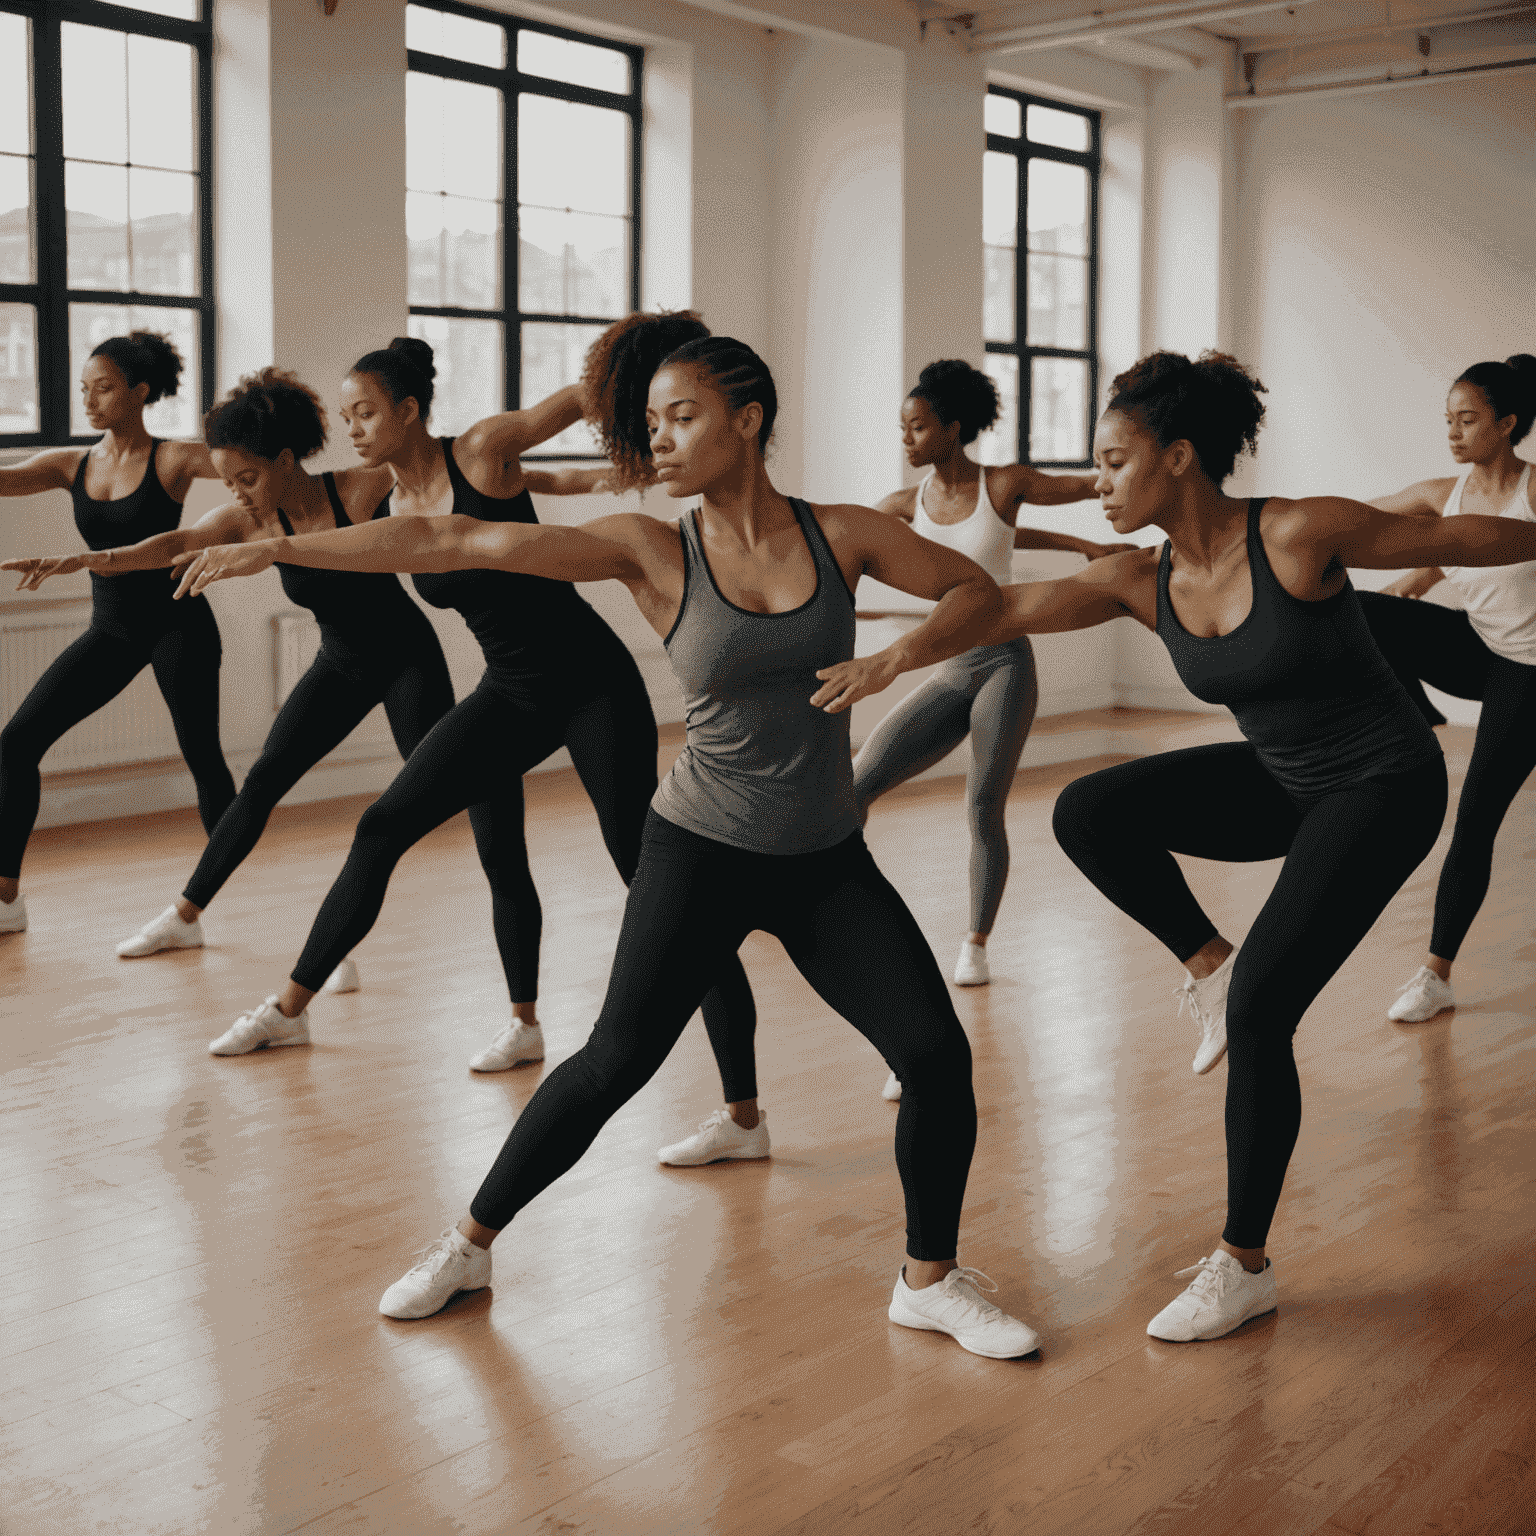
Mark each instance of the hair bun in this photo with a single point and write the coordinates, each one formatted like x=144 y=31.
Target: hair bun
x=417 y=352
x=957 y=391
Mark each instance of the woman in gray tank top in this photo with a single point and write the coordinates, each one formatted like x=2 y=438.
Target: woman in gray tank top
x=756 y=827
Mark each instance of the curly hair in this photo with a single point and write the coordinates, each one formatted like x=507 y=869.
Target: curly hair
x=617 y=372
x=958 y=392
x=1510 y=390
x=406 y=369
x=144 y=357
x=1212 y=403
x=267 y=412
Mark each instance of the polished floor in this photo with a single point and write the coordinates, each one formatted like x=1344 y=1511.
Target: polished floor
x=194 y=1248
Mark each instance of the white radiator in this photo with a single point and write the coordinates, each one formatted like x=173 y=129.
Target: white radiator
x=134 y=727
x=295 y=644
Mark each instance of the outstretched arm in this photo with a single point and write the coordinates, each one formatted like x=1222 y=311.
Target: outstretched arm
x=1038 y=538
x=499 y=441
x=568 y=482
x=1122 y=586
x=1364 y=536
x=1426 y=499
x=52 y=470
x=1023 y=484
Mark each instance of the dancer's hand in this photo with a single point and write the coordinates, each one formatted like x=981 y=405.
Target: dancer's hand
x=201 y=568
x=1415 y=583
x=849 y=681
x=34 y=572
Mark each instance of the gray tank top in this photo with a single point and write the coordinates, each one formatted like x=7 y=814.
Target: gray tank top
x=762 y=768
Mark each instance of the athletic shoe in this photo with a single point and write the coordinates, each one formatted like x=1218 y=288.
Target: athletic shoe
x=1207 y=1001
x=971 y=968
x=892 y=1090
x=13 y=915
x=516 y=1043
x=452 y=1264
x=1422 y=998
x=167 y=931
x=956 y=1306
x=719 y=1138
x=343 y=978
x=261 y=1028
x=1221 y=1297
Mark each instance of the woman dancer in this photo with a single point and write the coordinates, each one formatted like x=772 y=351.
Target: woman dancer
x=756 y=826
x=1340 y=774
x=376 y=646
x=1486 y=651
x=126 y=487
x=555 y=675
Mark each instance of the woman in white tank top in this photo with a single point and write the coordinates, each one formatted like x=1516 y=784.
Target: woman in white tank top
x=988 y=693
x=1484 y=650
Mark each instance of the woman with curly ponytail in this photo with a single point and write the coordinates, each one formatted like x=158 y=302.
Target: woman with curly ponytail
x=1485 y=650
x=127 y=486
x=757 y=825
x=1339 y=775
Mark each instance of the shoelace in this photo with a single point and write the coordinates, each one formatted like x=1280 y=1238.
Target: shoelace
x=974 y=1283
x=1418 y=980
x=1186 y=996
x=1213 y=1278
x=435 y=1254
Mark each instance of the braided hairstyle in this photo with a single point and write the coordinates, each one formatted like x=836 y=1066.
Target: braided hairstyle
x=406 y=369
x=265 y=413
x=144 y=357
x=1212 y=403
x=617 y=373
x=958 y=392
x=1509 y=388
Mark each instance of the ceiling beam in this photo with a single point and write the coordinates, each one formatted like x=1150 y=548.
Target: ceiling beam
x=1260 y=44
x=1390 y=83
x=1073 y=31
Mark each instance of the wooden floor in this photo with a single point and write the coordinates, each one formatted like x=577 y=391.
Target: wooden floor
x=194 y=1248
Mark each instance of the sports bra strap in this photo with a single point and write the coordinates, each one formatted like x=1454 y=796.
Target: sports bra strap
x=328 y=480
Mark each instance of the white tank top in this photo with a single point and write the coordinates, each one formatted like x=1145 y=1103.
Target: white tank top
x=983 y=536
x=1500 y=599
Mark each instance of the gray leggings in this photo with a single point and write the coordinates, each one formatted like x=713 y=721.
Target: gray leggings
x=989 y=694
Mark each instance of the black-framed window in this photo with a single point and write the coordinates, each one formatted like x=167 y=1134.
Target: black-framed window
x=1041 y=232
x=505 y=114
x=106 y=218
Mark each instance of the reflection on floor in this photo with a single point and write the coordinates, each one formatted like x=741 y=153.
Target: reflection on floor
x=194 y=1248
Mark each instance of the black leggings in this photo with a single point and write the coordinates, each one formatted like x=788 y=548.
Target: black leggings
x=1346 y=855
x=326 y=704
x=1440 y=646
x=475 y=757
x=692 y=902
x=87 y=676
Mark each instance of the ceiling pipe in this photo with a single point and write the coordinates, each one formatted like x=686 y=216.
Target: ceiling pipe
x=1072 y=31
x=1390 y=83
x=1411 y=24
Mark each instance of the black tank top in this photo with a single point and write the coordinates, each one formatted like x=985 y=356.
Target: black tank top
x=366 y=619
x=137 y=604
x=1304 y=680
x=539 y=637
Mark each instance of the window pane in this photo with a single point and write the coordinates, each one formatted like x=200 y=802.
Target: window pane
x=455 y=37
x=1002 y=115
x=999 y=198
x=1058 y=410
x=161 y=206
x=573 y=263
x=572 y=156
x=1058 y=301
x=185 y=10
x=997 y=308
x=15 y=85
x=454 y=246
x=452 y=137
x=999 y=444
x=96 y=223
x=95 y=94
x=18 y=369
x=161 y=109
x=471 y=369
x=552 y=358
x=1066 y=130
x=91 y=324
x=17 y=242
x=559 y=58
x=1058 y=207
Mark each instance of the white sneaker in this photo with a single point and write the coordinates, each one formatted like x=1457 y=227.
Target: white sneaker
x=452 y=1264
x=1207 y=1001
x=1222 y=1296
x=1422 y=998
x=167 y=931
x=516 y=1043
x=956 y=1306
x=343 y=978
x=719 y=1138
x=260 y=1028
x=892 y=1090
x=13 y=915
x=971 y=968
